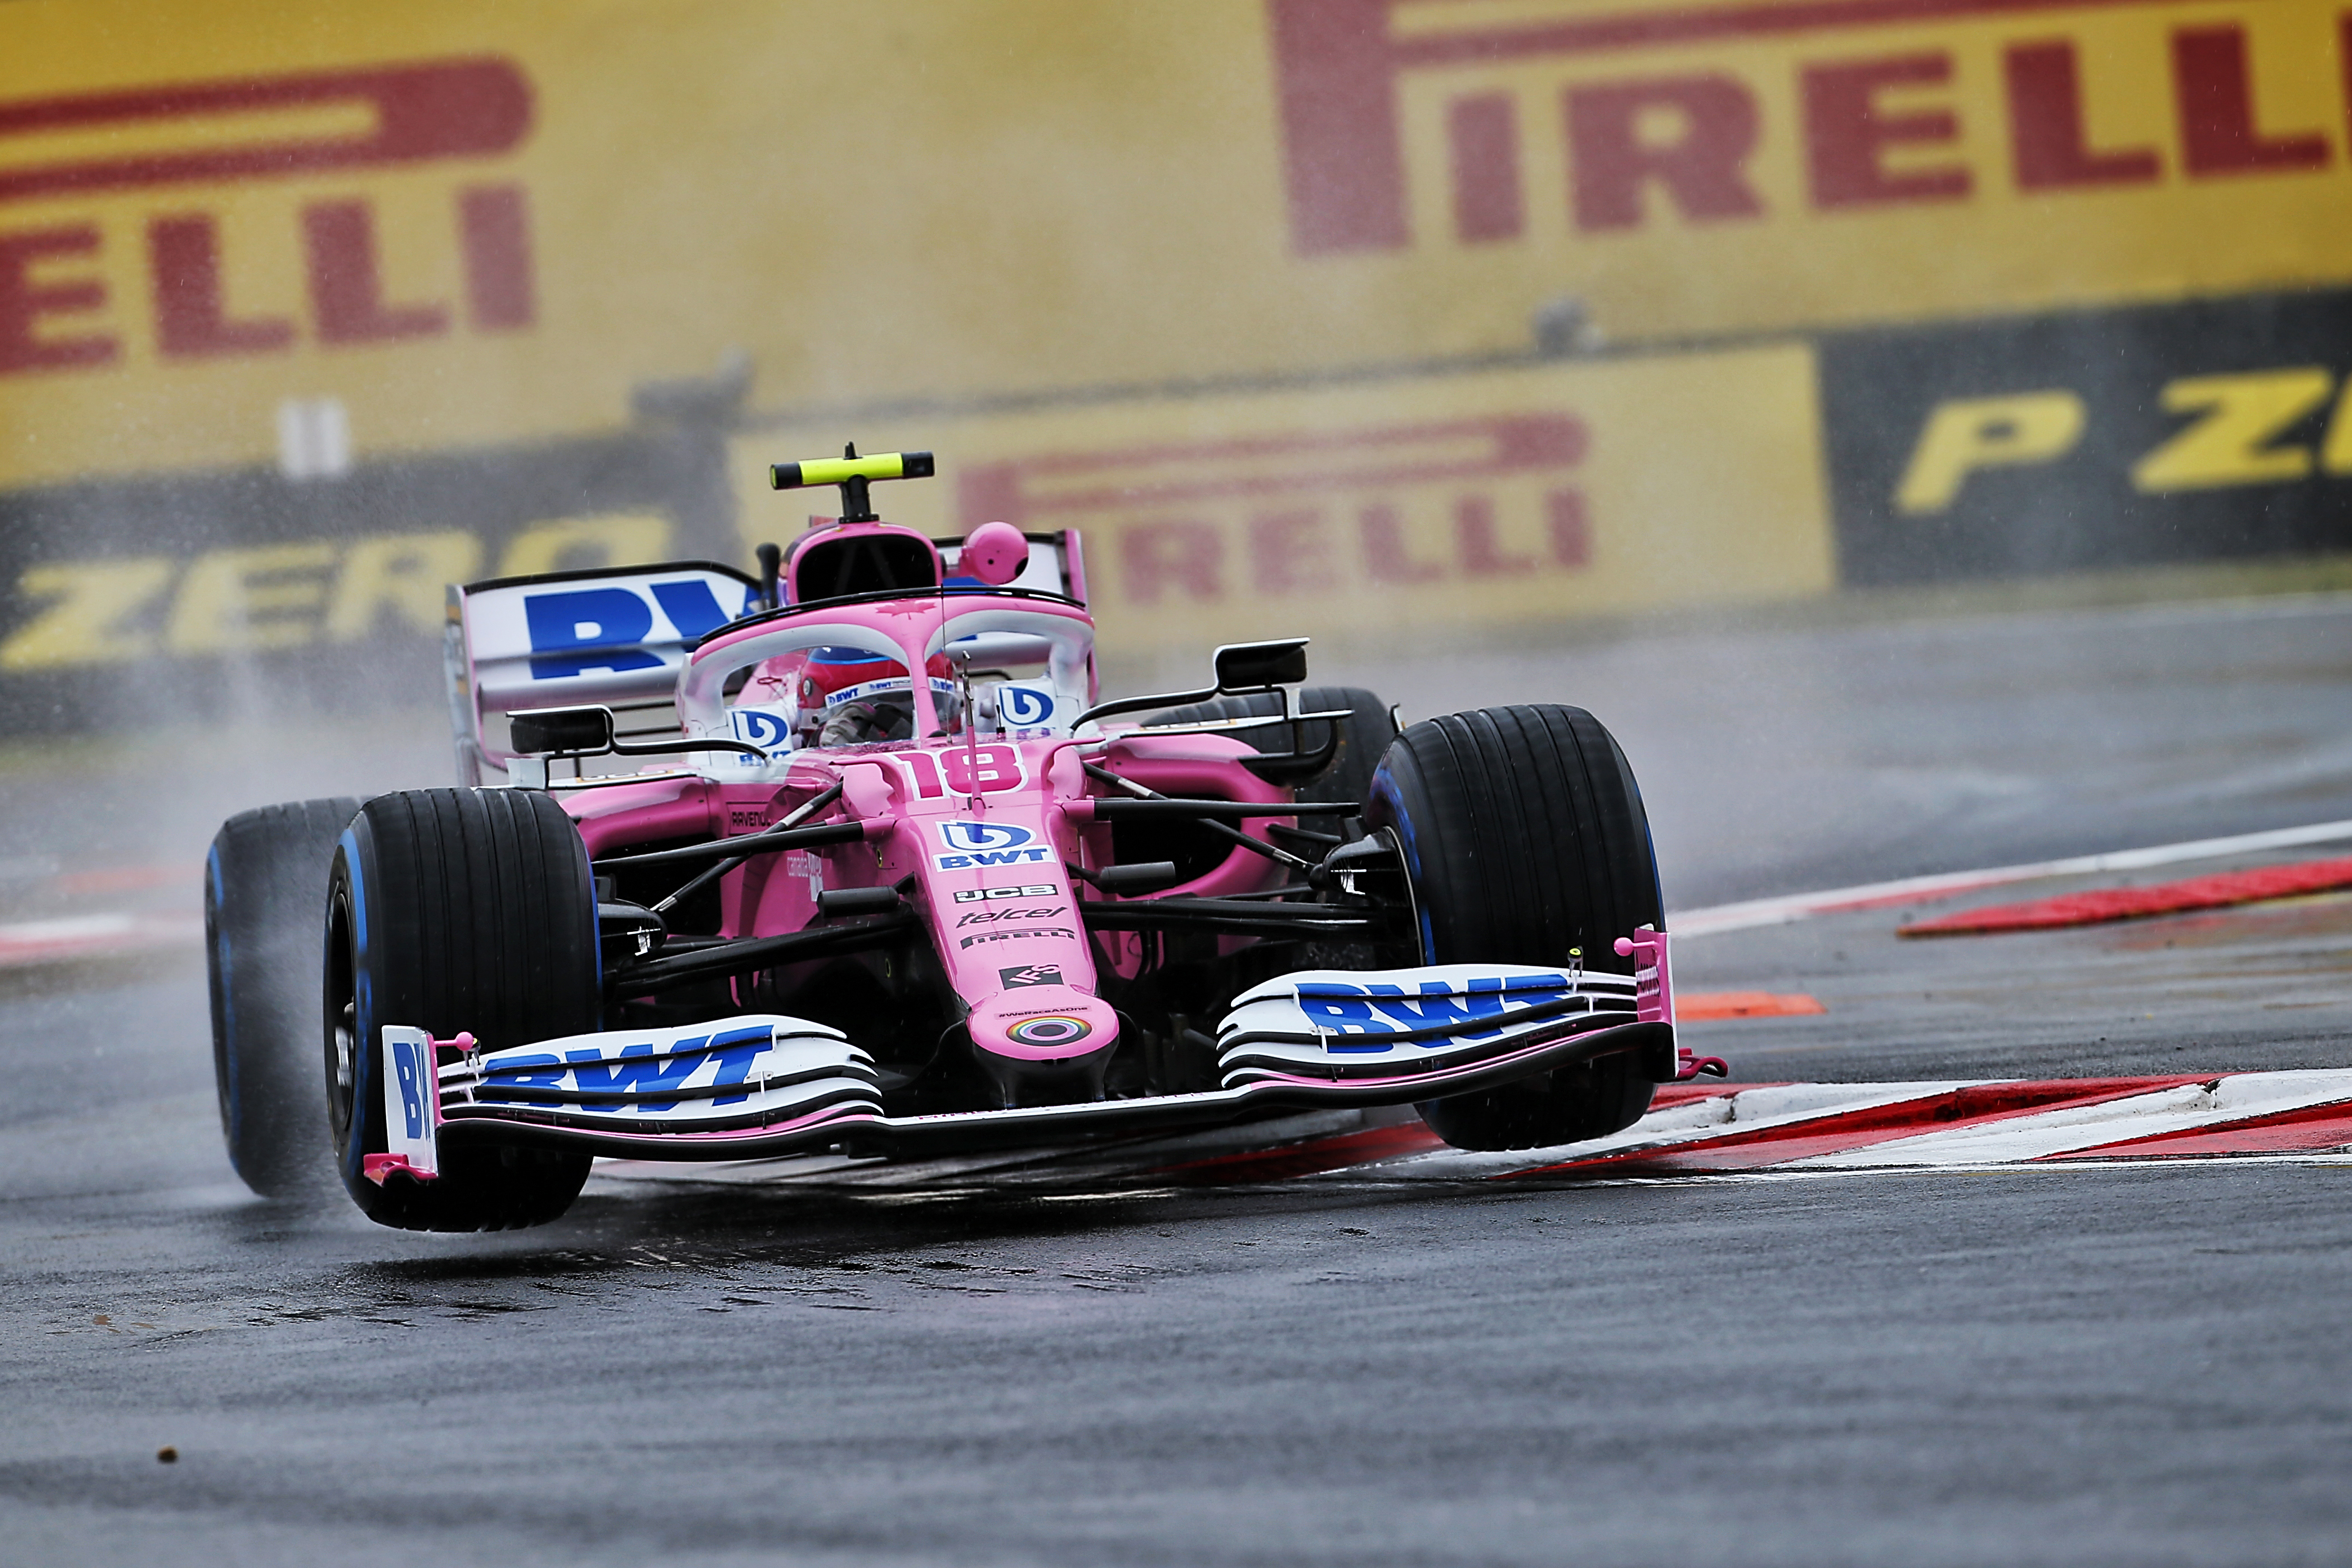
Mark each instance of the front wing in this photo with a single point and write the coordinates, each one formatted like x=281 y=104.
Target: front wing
x=762 y=1085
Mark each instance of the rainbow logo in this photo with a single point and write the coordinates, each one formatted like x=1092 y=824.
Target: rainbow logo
x=1051 y=1029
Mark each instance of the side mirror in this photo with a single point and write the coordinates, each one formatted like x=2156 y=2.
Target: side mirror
x=1260 y=666
x=562 y=731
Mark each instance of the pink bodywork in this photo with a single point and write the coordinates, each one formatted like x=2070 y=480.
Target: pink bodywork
x=965 y=824
x=1653 y=981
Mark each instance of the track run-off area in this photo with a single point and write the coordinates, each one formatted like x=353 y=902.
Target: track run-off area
x=2019 y=1247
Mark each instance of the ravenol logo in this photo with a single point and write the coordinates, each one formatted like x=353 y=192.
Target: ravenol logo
x=974 y=843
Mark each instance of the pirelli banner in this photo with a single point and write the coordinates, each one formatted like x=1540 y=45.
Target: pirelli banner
x=301 y=307
x=471 y=225
x=1461 y=505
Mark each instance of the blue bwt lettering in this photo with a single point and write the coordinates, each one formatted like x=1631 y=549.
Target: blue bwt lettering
x=588 y=629
x=633 y=1071
x=404 y=1068
x=692 y=607
x=1382 y=1009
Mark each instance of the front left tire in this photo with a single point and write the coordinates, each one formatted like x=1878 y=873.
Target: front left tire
x=452 y=910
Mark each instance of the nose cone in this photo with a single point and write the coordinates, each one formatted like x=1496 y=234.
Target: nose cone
x=1045 y=1044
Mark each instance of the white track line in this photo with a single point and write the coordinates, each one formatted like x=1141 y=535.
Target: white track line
x=2030 y=1137
x=1792 y=907
x=2002 y=1141
x=79 y=937
x=1737 y=1110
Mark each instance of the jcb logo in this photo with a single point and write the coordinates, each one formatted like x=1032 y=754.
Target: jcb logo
x=2105 y=439
x=56 y=309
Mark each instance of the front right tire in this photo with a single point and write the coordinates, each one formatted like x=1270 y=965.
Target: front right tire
x=1525 y=837
x=452 y=910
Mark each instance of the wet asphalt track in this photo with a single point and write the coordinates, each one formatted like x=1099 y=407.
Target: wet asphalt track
x=2129 y=1366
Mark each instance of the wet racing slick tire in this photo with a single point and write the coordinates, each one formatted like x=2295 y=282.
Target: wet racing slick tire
x=1525 y=838
x=1364 y=734
x=265 y=906
x=452 y=910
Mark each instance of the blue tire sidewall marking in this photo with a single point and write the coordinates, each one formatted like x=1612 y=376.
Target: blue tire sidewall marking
x=588 y=869
x=1384 y=789
x=222 y=959
x=364 y=1041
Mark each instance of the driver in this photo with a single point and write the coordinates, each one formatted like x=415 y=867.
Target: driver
x=850 y=696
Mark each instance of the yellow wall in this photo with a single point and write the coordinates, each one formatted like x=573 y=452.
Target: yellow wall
x=1476 y=500
x=953 y=198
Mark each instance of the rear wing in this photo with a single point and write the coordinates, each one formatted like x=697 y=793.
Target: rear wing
x=614 y=637
x=617 y=637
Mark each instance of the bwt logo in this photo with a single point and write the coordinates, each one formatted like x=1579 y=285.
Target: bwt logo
x=261 y=127
x=1884 y=129
x=769 y=732
x=1021 y=705
x=976 y=844
x=581 y=629
x=975 y=835
x=413 y=1070
x=1478 y=1009
x=638 y=1069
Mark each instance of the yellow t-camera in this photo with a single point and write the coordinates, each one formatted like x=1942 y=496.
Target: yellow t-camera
x=853 y=474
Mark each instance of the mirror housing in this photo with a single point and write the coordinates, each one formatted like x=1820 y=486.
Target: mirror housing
x=562 y=731
x=1243 y=667
x=1260 y=666
x=995 y=552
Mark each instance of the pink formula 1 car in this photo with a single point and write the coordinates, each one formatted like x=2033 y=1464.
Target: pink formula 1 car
x=850 y=857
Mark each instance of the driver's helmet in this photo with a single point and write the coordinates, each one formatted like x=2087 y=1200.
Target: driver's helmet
x=854 y=697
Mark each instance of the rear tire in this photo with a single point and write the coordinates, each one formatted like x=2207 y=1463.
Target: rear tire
x=1525 y=837
x=453 y=909
x=265 y=897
